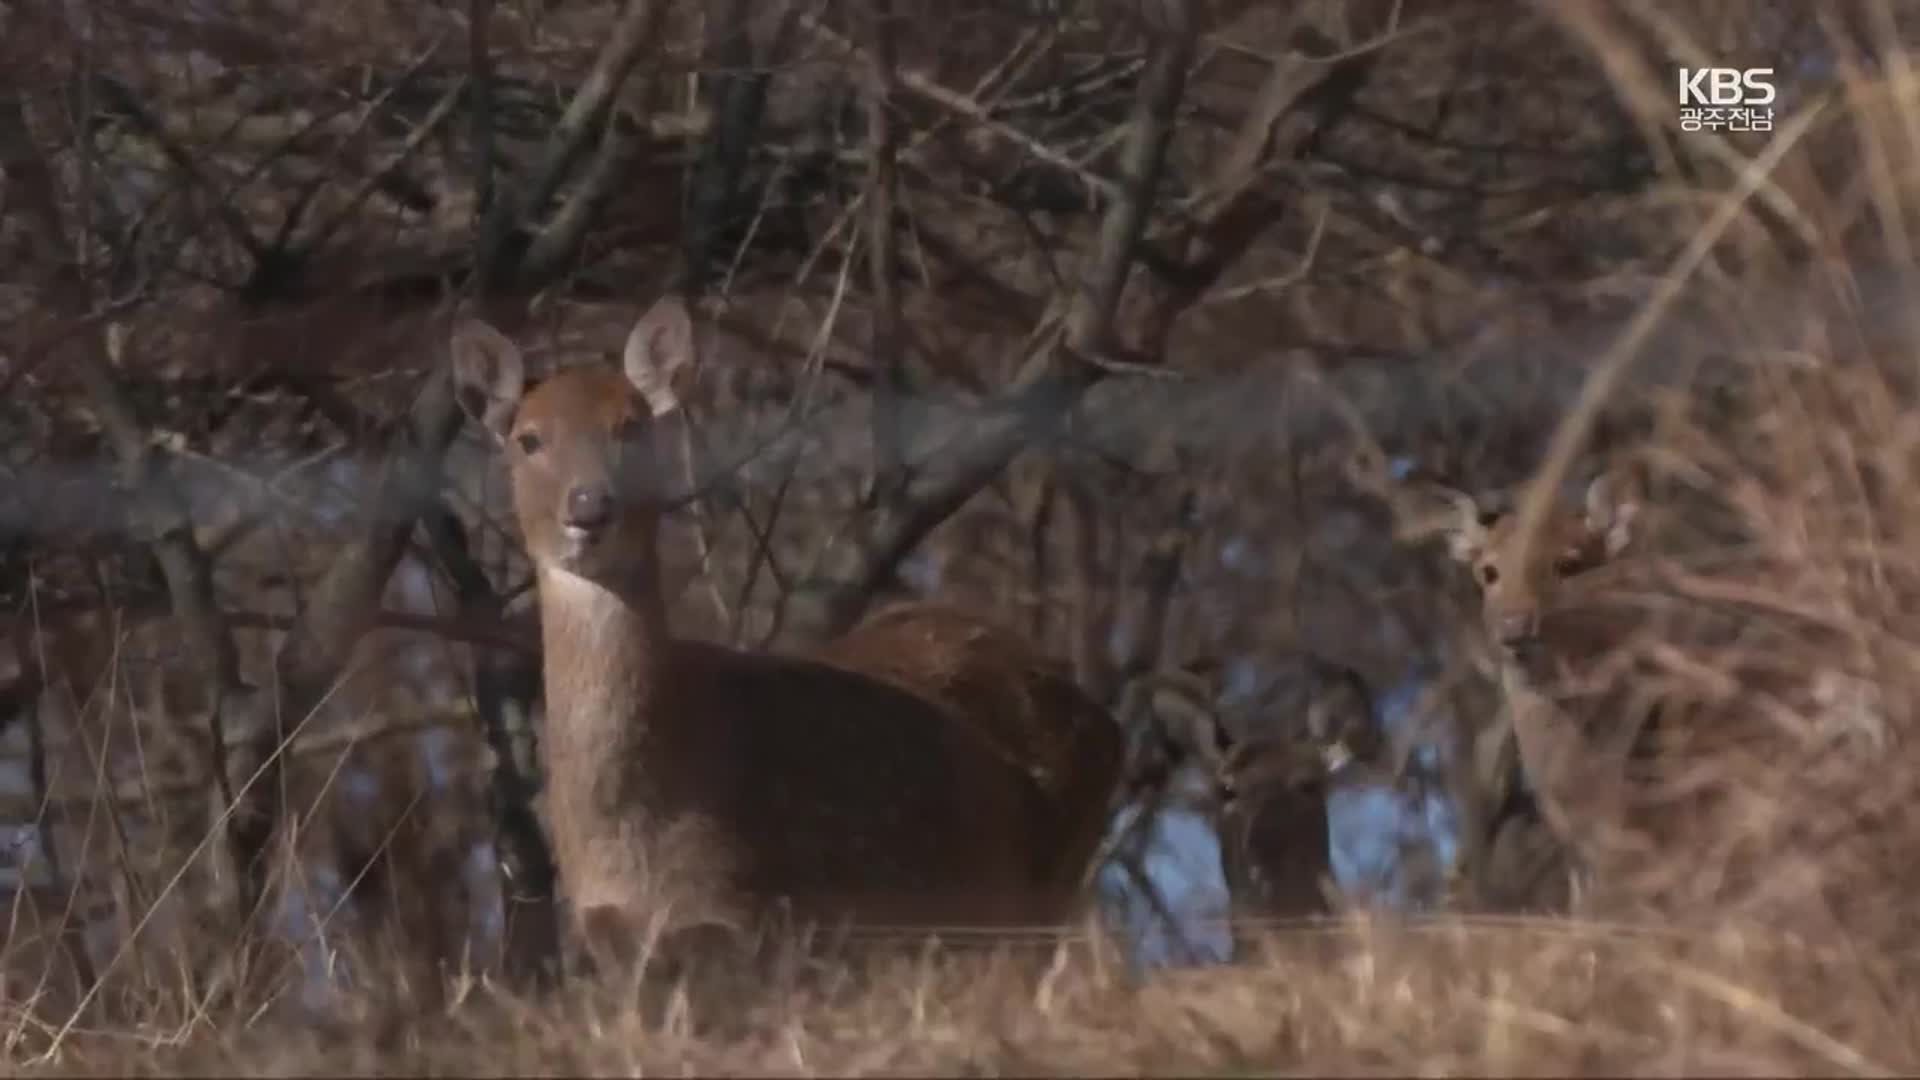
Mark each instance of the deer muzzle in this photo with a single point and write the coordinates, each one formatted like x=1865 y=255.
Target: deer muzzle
x=587 y=512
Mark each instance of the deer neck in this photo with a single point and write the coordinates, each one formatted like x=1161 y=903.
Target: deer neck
x=605 y=651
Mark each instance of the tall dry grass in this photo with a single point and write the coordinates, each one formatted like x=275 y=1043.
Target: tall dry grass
x=1451 y=996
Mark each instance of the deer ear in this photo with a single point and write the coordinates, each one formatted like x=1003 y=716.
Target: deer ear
x=660 y=353
x=1427 y=509
x=1464 y=525
x=489 y=375
x=1613 y=503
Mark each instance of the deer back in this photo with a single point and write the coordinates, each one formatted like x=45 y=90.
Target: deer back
x=1022 y=701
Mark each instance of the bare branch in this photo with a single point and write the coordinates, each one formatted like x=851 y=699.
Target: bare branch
x=568 y=226
x=350 y=206
x=497 y=260
x=736 y=82
x=1050 y=383
x=222 y=208
x=158 y=512
x=341 y=607
x=480 y=75
x=928 y=91
x=1161 y=576
x=887 y=342
x=1235 y=209
x=1090 y=321
x=1090 y=605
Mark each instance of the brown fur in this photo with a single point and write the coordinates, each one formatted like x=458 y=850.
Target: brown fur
x=1027 y=703
x=1527 y=867
x=1515 y=595
x=1268 y=793
x=1540 y=624
x=1615 y=746
x=1276 y=844
x=847 y=794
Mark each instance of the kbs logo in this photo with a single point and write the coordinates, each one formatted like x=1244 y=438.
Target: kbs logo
x=1734 y=99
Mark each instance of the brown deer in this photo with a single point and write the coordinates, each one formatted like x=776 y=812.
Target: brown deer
x=1526 y=595
x=1610 y=734
x=1267 y=790
x=1547 y=632
x=830 y=783
x=1025 y=702
x=1539 y=631
x=1275 y=841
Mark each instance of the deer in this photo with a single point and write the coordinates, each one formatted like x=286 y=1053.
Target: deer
x=1551 y=633
x=1266 y=792
x=1522 y=586
x=1025 y=702
x=839 y=786
x=1590 y=720
x=1524 y=867
x=1276 y=841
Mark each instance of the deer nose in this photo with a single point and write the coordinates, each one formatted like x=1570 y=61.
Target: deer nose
x=589 y=508
x=1515 y=627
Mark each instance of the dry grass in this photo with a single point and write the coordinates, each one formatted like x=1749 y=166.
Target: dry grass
x=1448 y=997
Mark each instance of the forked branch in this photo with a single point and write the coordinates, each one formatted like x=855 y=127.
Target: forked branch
x=498 y=258
x=1058 y=371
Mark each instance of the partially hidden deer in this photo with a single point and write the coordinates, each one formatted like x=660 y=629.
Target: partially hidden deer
x=1544 y=636
x=1595 y=714
x=850 y=786
x=1276 y=841
x=1268 y=791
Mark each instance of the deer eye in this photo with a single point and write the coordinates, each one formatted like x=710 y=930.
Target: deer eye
x=529 y=442
x=1567 y=564
x=1489 y=574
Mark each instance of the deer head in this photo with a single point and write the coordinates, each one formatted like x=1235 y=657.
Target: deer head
x=1519 y=577
x=584 y=453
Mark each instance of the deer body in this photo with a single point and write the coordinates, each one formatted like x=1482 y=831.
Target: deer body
x=1591 y=708
x=1276 y=845
x=1024 y=703
x=847 y=794
x=1549 y=633
x=1649 y=718
x=821 y=780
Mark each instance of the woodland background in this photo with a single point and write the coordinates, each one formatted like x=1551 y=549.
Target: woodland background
x=1072 y=311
